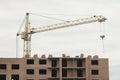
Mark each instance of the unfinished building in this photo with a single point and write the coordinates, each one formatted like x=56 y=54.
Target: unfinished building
x=54 y=68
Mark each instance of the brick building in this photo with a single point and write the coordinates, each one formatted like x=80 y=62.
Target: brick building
x=54 y=68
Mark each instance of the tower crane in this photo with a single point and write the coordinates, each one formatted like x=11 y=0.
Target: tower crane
x=26 y=34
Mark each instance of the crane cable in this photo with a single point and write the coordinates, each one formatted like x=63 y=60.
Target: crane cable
x=48 y=17
x=102 y=36
x=16 y=46
x=18 y=33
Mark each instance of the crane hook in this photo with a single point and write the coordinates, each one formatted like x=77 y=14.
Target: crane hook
x=102 y=37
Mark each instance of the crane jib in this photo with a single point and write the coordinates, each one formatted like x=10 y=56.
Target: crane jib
x=68 y=24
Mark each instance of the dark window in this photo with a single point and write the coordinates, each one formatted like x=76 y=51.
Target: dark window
x=54 y=63
x=79 y=63
x=95 y=79
x=95 y=72
x=54 y=73
x=15 y=66
x=2 y=66
x=30 y=61
x=15 y=77
x=94 y=62
x=79 y=73
x=2 y=77
x=30 y=79
x=64 y=63
x=30 y=71
x=64 y=73
x=42 y=71
x=42 y=61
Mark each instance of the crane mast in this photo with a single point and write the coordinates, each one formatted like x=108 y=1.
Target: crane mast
x=26 y=34
x=26 y=37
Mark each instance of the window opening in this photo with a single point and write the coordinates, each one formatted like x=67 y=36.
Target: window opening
x=64 y=63
x=15 y=66
x=15 y=77
x=2 y=66
x=54 y=73
x=30 y=61
x=2 y=77
x=95 y=72
x=64 y=73
x=94 y=62
x=42 y=71
x=30 y=71
x=79 y=63
x=42 y=61
x=79 y=73
x=54 y=63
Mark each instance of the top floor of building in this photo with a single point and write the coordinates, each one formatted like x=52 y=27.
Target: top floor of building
x=50 y=61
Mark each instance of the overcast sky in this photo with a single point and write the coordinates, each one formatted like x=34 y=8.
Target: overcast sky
x=72 y=41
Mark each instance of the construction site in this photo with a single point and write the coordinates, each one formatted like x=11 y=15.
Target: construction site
x=54 y=68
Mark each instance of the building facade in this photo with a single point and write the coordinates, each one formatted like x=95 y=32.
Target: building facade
x=54 y=68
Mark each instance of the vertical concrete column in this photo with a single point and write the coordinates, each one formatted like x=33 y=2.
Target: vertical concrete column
x=60 y=62
x=73 y=68
x=88 y=68
x=8 y=75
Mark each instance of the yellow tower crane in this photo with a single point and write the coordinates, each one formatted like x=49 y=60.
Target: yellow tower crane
x=26 y=34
